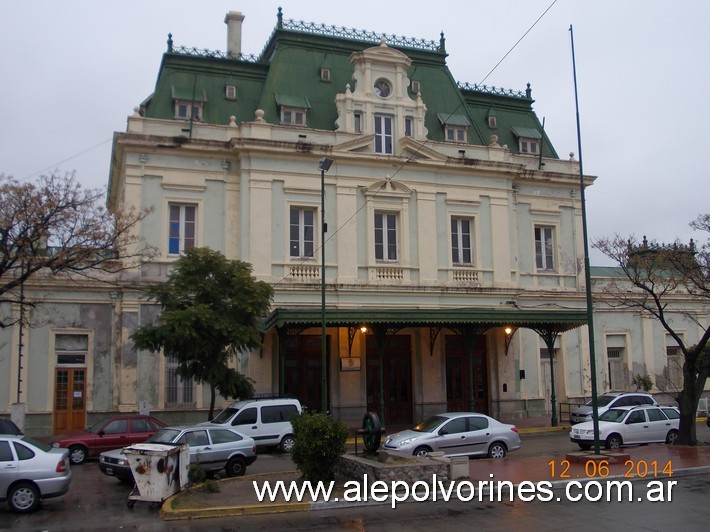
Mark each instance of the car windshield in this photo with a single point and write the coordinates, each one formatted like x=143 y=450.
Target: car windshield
x=225 y=415
x=603 y=400
x=164 y=436
x=615 y=415
x=431 y=424
x=96 y=427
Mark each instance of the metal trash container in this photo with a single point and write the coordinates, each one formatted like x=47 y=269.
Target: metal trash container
x=159 y=470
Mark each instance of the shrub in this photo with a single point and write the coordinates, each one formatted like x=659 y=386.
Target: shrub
x=643 y=382
x=320 y=440
x=196 y=475
x=211 y=486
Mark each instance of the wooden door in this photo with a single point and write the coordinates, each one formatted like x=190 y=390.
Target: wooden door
x=397 y=380
x=69 y=400
x=458 y=375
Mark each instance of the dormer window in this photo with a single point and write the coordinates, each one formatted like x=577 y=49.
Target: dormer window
x=528 y=140
x=455 y=127
x=188 y=103
x=492 y=122
x=293 y=109
x=325 y=74
x=416 y=86
x=230 y=92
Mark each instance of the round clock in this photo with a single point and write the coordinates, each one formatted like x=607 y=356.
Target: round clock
x=382 y=88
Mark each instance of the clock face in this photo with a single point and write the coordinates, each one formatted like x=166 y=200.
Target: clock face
x=382 y=88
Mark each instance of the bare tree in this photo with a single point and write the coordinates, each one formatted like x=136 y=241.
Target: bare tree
x=670 y=282
x=54 y=226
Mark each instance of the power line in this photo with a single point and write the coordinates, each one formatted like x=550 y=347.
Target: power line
x=53 y=166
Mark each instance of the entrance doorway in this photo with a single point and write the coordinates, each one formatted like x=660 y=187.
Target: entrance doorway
x=397 y=379
x=302 y=370
x=69 y=400
x=458 y=375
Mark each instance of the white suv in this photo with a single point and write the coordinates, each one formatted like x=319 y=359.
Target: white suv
x=610 y=400
x=268 y=421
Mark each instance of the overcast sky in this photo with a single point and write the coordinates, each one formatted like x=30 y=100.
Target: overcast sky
x=72 y=71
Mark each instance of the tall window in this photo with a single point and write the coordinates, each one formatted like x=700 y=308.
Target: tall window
x=302 y=231
x=383 y=134
x=385 y=236
x=461 y=241
x=182 y=225
x=675 y=366
x=408 y=126
x=357 y=117
x=178 y=392
x=544 y=248
x=616 y=371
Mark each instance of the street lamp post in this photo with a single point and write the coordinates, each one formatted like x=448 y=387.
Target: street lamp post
x=323 y=165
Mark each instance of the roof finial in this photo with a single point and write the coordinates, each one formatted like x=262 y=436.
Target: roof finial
x=170 y=42
x=442 y=43
x=279 y=19
x=528 y=92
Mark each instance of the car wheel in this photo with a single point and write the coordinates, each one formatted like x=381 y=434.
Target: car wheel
x=613 y=441
x=584 y=446
x=287 y=443
x=672 y=437
x=23 y=497
x=421 y=451
x=497 y=450
x=77 y=454
x=236 y=467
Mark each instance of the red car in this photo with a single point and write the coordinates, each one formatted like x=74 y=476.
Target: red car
x=109 y=433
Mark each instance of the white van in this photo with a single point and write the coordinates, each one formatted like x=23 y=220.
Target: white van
x=268 y=421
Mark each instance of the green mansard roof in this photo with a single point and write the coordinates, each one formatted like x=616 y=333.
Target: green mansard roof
x=288 y=69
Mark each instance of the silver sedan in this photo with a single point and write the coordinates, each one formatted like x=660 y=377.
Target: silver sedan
x=457 y=434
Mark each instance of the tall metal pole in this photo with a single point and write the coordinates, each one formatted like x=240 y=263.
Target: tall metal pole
x=20 y=334
x=587 y=274
x=323 y=360
x=323 y=166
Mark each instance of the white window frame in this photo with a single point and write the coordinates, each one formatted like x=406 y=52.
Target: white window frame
x=294 y=116
x=456 y=134
x=182 y=226
x=301 y=241
x=458 y=236
x=388 y=224
x=357 y=121
x=77 y=352
x=492 y=122
x=408 y=126
x=546 y=242
x=182 y=107
x=384 y=141
x=183 y=390
x=230 y=92
x=529 y=146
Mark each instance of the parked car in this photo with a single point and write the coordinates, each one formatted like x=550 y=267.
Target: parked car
x=213 y=448
x=268 y=421
x=109 y=433
x=610 y=400
x=625 y=425
x=7 y=426
x=457 y=434
x=30 y=471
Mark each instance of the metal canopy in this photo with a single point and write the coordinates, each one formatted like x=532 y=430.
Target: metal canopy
x=558 y=320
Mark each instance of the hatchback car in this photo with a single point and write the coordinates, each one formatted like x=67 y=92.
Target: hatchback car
x=30 y=471
x=268 y=421
x=212 y=448
x=457 y=434
x=610 y=400
x=627 y=425
x=109 y=433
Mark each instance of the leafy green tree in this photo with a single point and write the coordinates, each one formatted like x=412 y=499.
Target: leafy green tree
x=210 y=311
x=319 y=442
x=671 y=283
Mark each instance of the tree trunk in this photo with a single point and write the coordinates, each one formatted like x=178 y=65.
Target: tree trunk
x=688 y=403
x=210 y=414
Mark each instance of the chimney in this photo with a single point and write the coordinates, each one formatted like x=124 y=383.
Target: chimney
x=233 y=20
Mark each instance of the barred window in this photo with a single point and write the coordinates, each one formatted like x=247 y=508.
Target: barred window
x=178 y=392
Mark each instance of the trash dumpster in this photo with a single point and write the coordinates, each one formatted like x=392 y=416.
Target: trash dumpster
x=159 y=470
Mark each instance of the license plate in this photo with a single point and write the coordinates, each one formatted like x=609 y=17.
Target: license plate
x=109 y=470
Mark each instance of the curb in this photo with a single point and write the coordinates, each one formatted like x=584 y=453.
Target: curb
x=168 y=513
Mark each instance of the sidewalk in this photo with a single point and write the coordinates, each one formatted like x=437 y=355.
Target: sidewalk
x=237 y=496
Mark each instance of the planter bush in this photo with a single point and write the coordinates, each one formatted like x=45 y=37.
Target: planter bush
x=320 y=440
